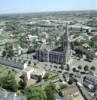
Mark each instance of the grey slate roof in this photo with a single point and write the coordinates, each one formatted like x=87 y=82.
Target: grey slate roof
x=11 y=63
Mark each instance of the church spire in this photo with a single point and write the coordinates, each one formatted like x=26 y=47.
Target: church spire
x=65 y=40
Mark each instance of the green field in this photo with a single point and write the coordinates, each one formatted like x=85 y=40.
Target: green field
x=52 y=75
x=4 y=70
x=2 y=37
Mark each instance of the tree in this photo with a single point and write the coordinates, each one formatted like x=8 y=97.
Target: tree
x=79 y=52
x=9 y=82
x=36 y=46
x=3 y=53
x=30 y=50
x=62 y=66
x=22 y=84
x=34 y=64
x=10 y=53
x=70 y=81
x=29 y=62
x=93 y=68
x=74 y=69
x=79 y=67
x=1 y=81
x=35 y=93
x=86 y=68
x=68 y=67
x=50 y=91
x=9 y=50
x=39 y=78
x=46 y=76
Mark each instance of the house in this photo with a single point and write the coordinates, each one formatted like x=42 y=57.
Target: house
x=70 y=93
x=31 y=72
x=90 y=82
x=5 y=95
x=27 y=73
x=32 y=38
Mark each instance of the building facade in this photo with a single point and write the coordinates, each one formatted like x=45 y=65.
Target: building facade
x=42 y=55
x=57 y=57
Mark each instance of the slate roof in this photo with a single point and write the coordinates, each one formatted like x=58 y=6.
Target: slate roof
x=59 y=49
x=11 y=63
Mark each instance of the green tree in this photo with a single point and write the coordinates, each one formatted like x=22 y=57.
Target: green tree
x=1 y=81
x=74 y=69
x=62 y=66
x=86 y=68
x=70 y=81
x=9 y=50
x=46 y=76
x=3 y=53
x=22 y=84
x=50 y=91
x=29 y=62
x=34 y=64
x=39 y=78
x=9 y=82
x=79 y=52
x=68 y=67
x=36 y=46
x=35 y=93
x=79 y=67
x=30 y=50
x=93 y=68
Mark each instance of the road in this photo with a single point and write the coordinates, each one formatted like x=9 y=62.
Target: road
x=84 y=92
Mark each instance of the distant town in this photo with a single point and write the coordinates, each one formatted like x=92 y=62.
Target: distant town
x=48 y=56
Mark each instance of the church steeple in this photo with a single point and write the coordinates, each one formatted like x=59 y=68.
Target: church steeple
x=65 y=40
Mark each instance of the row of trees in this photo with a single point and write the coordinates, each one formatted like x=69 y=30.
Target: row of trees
x=86 y=68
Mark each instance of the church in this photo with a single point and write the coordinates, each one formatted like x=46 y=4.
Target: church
x=58 y=55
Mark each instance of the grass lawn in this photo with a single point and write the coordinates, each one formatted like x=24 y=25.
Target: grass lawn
x=2 y=37
x=52 y=74
x=1 y=46
x=61 y=85
x=4 y=70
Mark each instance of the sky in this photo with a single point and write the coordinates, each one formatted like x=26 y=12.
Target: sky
x=22 y=6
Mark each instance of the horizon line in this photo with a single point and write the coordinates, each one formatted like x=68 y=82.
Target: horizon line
x=36 y=12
